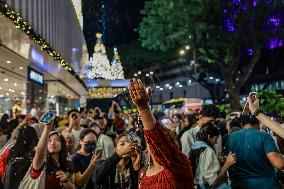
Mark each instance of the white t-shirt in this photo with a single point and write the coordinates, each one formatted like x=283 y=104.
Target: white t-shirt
x=208 y=166
x=76 y=134
x=187 y=140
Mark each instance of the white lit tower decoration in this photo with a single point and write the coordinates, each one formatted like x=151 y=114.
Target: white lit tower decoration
x=116 y=67
x=99 y=65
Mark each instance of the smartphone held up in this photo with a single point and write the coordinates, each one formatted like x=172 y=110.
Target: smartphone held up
x=252 y=97
x=99 y=152
x=47 y=117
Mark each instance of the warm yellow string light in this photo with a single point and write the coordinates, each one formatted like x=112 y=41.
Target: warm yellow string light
x=105 y=92
x=44 y=45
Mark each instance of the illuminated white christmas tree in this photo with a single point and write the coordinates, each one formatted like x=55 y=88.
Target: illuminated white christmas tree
x=99 y=66
x=116 y=67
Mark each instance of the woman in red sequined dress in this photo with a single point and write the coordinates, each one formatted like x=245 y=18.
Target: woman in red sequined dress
x=170 y=168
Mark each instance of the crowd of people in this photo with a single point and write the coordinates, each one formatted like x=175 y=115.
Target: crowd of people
x=91 y=149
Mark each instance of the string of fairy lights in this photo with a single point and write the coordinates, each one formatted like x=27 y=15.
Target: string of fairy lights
x=23 y=25
x=105 y=92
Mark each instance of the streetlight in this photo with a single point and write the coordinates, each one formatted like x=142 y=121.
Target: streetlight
x=147 y=75
x=181 y=52
x=135 y=75
x=139 y=72
x=187 y=47
x=189 y=82
x=151 y=73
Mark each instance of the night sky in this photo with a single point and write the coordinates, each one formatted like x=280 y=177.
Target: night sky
x=116 y=19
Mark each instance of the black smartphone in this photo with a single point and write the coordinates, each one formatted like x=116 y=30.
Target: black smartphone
x=252 y=96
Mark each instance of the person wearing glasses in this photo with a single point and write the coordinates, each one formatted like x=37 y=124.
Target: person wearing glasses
x=85 y=160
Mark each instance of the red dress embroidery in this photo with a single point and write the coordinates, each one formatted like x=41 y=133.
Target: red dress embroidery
x=177 y=172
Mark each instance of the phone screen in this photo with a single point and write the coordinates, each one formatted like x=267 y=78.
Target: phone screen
x=252 y=96
x=48 y=117
x=99 y=152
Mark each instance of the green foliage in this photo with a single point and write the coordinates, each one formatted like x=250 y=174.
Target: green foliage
x=171 y=23
x=224 y=107
x=271 y=101
x=164 y=25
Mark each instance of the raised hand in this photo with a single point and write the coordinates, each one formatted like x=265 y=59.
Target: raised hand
x=96 y=158
x=138 y=93
x=51 y=123
x=127 y=149
x=136 y=158
x=230 y=160
x=61 y=176
x=253 y=106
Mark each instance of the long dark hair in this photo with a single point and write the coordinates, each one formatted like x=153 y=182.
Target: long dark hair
x=20 y=157
x=65 y=165
x=208 y=129
x=11 y=126
x=25 y=143
x=4 y=121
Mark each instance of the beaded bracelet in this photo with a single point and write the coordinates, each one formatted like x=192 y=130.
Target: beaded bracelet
x=254 y=114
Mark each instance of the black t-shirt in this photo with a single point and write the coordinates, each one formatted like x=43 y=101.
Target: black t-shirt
x=81 y=163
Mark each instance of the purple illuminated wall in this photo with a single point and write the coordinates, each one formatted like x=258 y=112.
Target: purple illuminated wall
x=272 y=24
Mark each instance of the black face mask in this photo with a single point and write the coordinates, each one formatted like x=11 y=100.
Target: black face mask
x=90 y=147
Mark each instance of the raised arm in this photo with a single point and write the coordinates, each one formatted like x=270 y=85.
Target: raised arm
x=273 y=125
x=141 y=99
x=161 y=144
x=41 y=148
